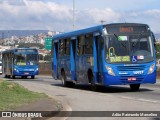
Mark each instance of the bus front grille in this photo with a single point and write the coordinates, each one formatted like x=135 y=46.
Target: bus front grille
x=24 y=72
x=130 y=68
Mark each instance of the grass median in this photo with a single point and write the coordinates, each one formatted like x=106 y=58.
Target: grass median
x=13 y=95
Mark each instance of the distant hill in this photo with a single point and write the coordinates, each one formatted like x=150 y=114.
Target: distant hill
x=18 y=33
x=9 y=33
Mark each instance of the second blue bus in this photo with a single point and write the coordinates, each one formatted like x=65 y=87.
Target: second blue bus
x=20 y=62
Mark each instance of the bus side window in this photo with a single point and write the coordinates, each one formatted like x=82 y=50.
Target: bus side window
x=67 y=47
x=88 y=48
x=80 y=45
x=61 y=48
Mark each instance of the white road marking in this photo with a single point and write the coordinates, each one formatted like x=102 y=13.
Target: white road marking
x=139 y=99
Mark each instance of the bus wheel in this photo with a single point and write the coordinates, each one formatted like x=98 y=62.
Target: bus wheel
x=6 y=76
x=93 y=85
x=70 y=84
x=63 y=79
x=32 y=77
x=134 y=87
x=66 y=83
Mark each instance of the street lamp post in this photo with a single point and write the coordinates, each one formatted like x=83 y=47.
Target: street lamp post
x=102 y=22
x=73 y=14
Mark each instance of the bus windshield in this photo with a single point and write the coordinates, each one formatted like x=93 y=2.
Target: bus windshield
x=131 y=48
x=26 y=59
x=32 y=59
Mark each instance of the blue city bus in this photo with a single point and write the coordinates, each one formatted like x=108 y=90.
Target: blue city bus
x=20 y=62
x=111 y=54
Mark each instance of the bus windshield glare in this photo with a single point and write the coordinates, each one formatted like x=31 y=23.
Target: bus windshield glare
x=129 y=48
x=26 y=59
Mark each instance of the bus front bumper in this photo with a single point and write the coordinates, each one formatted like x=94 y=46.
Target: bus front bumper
x=26 y=73
x=122 y=80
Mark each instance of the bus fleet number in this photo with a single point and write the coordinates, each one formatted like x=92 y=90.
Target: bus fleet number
x=138 y=72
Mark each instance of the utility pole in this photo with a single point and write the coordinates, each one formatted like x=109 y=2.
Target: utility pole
x=102 y=21
x=73 y=14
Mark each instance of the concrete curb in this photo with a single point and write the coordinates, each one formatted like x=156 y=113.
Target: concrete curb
x=61 y=114
x=55 y=108
x=53 y=114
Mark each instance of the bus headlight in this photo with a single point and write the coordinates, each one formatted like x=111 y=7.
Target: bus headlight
x=110 y=71
x=151 y=69
x=16 y=70
x=37 y=69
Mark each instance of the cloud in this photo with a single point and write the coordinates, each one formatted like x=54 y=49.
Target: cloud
x=91 y=17
x=40 y=14
x=12 y=2
x=153 y=12
x=34 y=15
x=150 y=17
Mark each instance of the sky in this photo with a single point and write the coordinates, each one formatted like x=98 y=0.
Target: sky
x=57 y=15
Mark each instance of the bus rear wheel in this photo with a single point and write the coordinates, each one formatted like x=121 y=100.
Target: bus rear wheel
x=134 y=87
x=93 y=85
x=63 y=79
x=66 y=83
x=6 y=76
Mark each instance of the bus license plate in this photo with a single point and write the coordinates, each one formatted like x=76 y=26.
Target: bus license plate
x=26 y=73
x=131 y=78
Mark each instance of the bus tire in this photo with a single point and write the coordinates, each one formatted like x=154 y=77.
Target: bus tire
x=134 y=87
x=70 y=84
x=32 y=77
x=93 y=85
x=66 y=83
x=63 y=79
x=6 y=76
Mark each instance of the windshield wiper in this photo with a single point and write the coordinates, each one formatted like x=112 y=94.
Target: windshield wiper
x=120 y=42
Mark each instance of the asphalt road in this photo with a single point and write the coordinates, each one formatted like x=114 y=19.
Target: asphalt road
x=113 y=98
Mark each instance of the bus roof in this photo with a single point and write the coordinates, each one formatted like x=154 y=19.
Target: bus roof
x=92 y=29
x=78 y=32
x=125 y=24
x=13 y=50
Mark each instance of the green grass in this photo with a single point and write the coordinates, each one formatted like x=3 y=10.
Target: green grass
x=13 y=95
